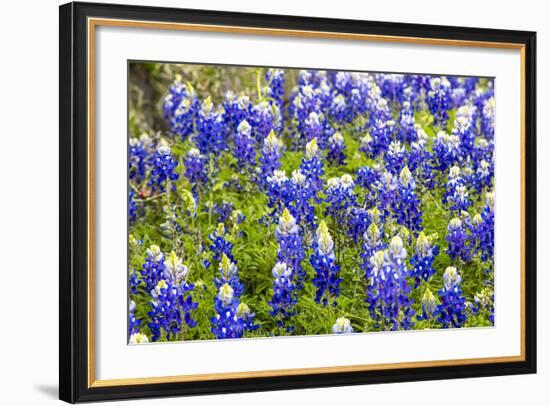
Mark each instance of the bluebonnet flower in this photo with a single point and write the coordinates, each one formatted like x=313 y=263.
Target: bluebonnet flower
x=453 y=181
x=244 y=146
x=336 y=148
x=314 y=127
x=463 y=129
x=356 y=103
x=423 y=259
x=343 y=82
x=367 y=146
x=153 y=268
x=271 y=157
x=460 y=200
x=439 y=100
x=407 y=131
x=446 y=150
x=196 y=169
x=138 y=338
x=237 y=109
x=211 y=129
x=224 y=211
x=312 y=167
x=227 y=323
x=340 y=195
x=247 y=316
x=429 y=306
x=279 y=191
x=229 y=274
x=391 y=86
x=171 y=301
x=488 y=118
x=452 y=310
x=220 y=246
x=276 y=85
x=339 y=109
x=132 y=206
x=134 y=281
x=299 y=198
x=380 y=112
x=181 y=105
x=372 y=243
x=487 y=238
x=284 y=294
x=484 y=149
x=164 y=166
x=139 y=157
x=291 y=250
x=388 y=294
x=327 y=279
x=342 y=326
x=457 y=240
x=387 y=187
x=395 y=157
x=381 y=137
x=484 y=175
x=358 y=222
x=406 y=205
x=484 y=302
x=133 y=322
x=265 y=118
x=304 y=101
x=368 y=178
x=419 y=160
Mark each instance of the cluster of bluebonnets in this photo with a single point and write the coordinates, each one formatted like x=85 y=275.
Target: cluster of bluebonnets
x=312 y=202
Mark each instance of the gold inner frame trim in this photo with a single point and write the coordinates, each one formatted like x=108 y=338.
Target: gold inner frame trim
x=94 y=22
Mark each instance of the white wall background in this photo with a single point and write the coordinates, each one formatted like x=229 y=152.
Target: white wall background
x=29 y=202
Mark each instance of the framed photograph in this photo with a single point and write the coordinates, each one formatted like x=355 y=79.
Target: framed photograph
x=257 y=202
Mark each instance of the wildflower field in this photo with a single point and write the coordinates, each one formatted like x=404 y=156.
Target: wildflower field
x=269 y=202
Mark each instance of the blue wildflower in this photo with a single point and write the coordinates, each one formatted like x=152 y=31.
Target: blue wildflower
x=452 y=310
x=327 y=279
x=291 y=250
x=342 y=326
x=244 y=147
x=406 y=205
x=423 y=259
x=336 y=148
x=457 y=240
x=164 y=166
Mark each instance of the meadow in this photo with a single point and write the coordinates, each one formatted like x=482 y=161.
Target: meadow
x=266 y=202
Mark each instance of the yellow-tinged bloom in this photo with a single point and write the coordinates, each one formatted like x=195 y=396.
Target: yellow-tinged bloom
x=311 y=148
x=138 y=338
x=243 y=310
x=451 y=277
x=324 y=240
x=422 y=244
x=225 y=263
x=226 y=293
x=220 y=230
x=405 y=176
x=207 y=105
x=375 y=214
x=188 y=200
x=428 y=302
x=490 y=200
x=454 y=172
x=271 y=142
x=373 y=232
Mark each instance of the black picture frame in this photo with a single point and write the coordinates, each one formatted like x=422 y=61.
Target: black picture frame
x=74 y=384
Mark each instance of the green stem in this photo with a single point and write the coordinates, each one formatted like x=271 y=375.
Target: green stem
x=259 y=83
